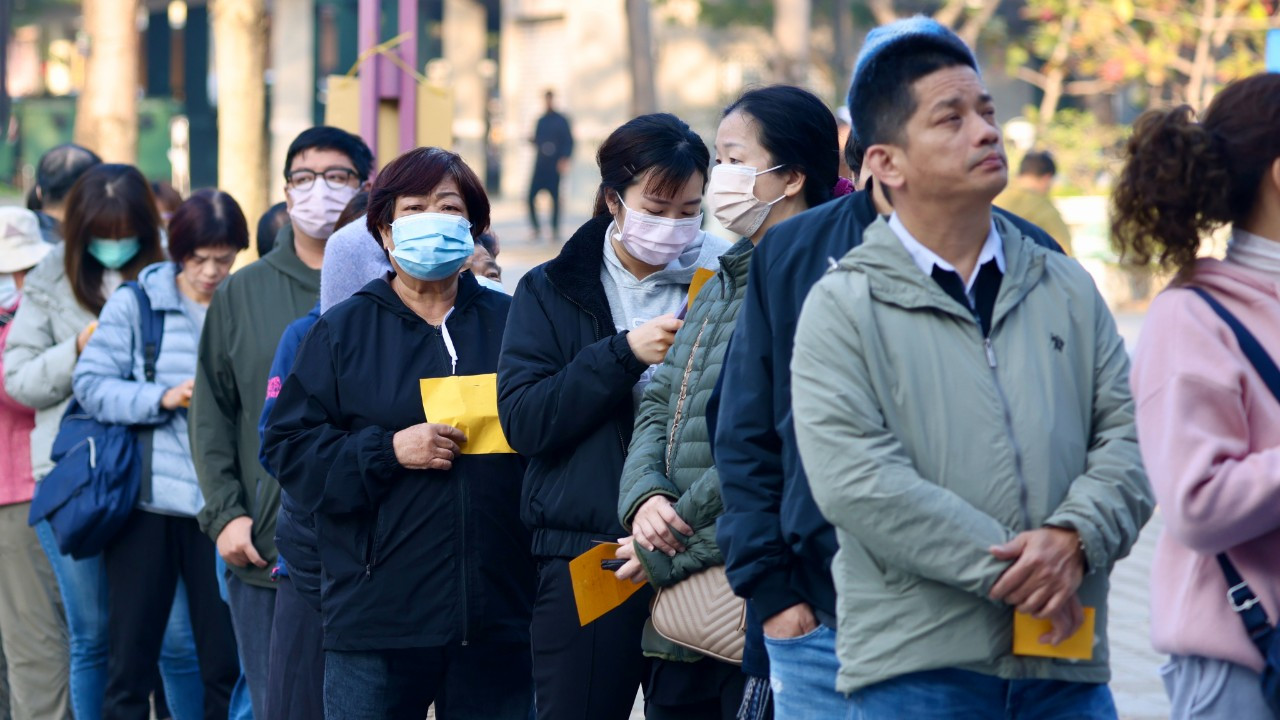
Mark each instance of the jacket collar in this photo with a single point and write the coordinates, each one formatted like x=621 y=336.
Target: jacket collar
x=575 y=272
x=736 y=261
x=160 y=281
x=894 y=277
x=284 y=258
x=380 y=290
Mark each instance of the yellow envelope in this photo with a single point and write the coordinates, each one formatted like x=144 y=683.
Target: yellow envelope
x=596 y=590
x=1027 y=632
x=700 y=278
x=469 y=403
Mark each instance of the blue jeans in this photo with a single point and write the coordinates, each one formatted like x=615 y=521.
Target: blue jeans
x=950 y=693
x=83 y=585
x=802 y=673
x=241 y=706
x=479 y=681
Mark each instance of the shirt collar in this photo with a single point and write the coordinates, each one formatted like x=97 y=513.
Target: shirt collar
x=926 y=259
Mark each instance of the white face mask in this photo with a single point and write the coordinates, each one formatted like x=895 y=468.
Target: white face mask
x=731 y=193
x=316 y=211
x=491 y=284
x=9 y=292
x=655 y=240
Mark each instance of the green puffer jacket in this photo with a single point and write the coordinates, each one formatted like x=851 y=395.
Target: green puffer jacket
x=926 y=444
x=673 y=414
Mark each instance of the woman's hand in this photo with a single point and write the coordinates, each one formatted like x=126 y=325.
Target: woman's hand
x=82 y=338
x=633 y=570
x=650 y=342
x=652 y=526
x=427 y=446
x=178 y=395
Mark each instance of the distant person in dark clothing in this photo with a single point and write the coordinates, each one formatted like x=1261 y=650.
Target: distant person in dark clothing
x=57 y=171
x=167 y=200
x=269 y=225
x=554 y=142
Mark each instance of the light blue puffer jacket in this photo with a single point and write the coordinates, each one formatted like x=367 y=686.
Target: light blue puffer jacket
x=104 y=383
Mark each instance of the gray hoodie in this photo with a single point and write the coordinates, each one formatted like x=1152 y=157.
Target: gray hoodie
x=636 y=302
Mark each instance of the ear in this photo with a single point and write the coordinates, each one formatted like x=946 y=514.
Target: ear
x=387 y=242
x=288 y=199
x=795 y=183
x=885 y=163
x=1275 y=174
x=39 y=194
x=365 y=186
x=611 y=201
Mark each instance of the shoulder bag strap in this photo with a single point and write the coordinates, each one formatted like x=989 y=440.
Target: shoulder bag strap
x=1239 y=594
x=152 y=322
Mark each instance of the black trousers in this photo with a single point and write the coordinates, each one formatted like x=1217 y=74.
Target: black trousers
x=704 y=690
x=551 y=183
x=295 y=672
x=143 y=565
x=585 y=673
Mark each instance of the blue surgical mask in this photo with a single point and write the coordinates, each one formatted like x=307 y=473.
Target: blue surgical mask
x=432 y=246
x=491 y=284
x=114 y=254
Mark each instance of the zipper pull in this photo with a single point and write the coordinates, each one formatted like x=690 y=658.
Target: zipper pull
x=991 y=354
x=368 y=571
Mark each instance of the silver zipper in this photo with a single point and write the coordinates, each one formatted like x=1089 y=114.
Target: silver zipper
x=1023 y=499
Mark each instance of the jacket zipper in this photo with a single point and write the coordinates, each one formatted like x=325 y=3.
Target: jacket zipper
x=369 y=556
x=462 y=560
x=1023 y=501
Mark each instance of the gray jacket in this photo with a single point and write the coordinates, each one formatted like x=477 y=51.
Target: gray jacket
x=926 y=444
x=41 y=352
x=104 y=382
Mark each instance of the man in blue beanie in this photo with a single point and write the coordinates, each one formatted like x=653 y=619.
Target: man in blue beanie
x=963 y=413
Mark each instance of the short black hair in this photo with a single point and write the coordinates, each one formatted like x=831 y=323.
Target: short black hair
x=489 y=242
x=1038 y=164
x=660 y=141
x=883 y=100
x=418 y=172
x=60 y=168
x=209 y=218
x=323 y=137
x=797 y=130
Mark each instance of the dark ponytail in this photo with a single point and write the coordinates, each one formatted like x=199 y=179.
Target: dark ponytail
x=798 y=131
x=1182 y=178
x=662 y=142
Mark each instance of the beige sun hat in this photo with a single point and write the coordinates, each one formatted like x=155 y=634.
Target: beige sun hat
x=21 y=245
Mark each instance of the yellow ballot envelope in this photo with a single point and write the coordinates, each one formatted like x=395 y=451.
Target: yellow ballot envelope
x=700 y=278
x=596 y=590
x=1027 y=632
x=469 y=403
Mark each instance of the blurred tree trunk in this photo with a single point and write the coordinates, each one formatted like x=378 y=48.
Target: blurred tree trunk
x=240 y=42
x=791 y=20
x=644 y=95
x=107 y=110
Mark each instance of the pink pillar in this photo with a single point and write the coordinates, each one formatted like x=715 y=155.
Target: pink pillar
x=381 y=80
x=408 y=84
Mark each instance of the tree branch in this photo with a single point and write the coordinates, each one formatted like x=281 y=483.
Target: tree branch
x=949 y=14
x=882 y=11
x=973 y=25
x=1033 y=77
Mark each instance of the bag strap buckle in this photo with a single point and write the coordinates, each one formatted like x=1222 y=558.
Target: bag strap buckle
x=1247 y=601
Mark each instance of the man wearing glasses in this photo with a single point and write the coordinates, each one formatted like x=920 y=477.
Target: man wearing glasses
x=325 y=168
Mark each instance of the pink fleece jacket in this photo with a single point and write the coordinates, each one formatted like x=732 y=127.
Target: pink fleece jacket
x=16 y=423
x=1209 y=430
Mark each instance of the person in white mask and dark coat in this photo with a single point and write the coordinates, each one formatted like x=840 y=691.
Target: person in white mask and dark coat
x=585 y=331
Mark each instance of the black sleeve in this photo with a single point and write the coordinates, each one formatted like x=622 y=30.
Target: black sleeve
x=547 y=401
x=324 y=466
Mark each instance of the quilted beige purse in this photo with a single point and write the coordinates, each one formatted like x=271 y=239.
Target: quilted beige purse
x=700 y=612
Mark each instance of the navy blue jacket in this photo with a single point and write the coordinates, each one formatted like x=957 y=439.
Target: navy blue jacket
x=777 y=546
x=564 y=397
x=295 y=528
x=411 y=558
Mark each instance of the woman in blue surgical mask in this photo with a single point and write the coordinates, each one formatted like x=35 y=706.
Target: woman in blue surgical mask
x=111 y=231
x=387 y=429
x=585 y=333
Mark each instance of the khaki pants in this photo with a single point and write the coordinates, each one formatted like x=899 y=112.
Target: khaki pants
x=33 y=629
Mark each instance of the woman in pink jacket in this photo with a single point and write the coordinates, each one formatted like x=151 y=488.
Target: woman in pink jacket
x=1208 y=426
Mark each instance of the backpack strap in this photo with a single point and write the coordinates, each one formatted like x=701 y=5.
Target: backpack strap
x=152 y=331
x=1239 y=594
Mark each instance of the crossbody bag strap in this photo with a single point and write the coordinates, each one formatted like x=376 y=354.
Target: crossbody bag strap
x=152 y=324
x=1239 y=594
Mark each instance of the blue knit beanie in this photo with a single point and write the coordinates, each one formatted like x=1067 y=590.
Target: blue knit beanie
x=915 y=33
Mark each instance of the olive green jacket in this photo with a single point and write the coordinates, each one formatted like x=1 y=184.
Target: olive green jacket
x=672 y=427
x=925 y=445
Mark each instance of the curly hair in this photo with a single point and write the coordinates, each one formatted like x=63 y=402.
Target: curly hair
x=1182 y=178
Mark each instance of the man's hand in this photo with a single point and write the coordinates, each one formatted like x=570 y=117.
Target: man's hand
x=235 y=543
x=652 y=526
x=178 y=396
x=1065 y=622
x=427 y=446
x=1048 y=565
x=633 y=570
x=650 y=342
x=793 y=622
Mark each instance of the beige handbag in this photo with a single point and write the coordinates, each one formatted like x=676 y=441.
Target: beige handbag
x=700 y=612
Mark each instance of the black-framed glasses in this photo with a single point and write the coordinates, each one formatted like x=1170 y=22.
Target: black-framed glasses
x=336 y=178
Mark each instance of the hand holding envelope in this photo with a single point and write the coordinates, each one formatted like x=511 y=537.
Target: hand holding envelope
x=468 y=403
